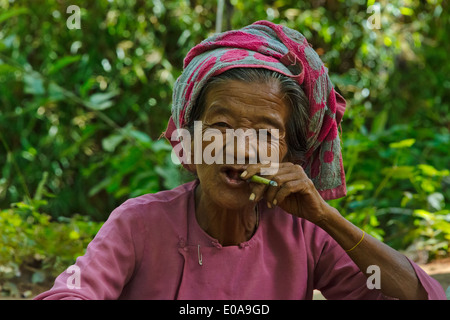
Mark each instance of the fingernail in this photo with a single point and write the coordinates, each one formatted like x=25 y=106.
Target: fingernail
x=269 y=205
x=252 y=197
x=275 y=202
x=243 y=174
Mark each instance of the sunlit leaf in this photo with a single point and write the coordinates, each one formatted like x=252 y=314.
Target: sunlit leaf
x=406 y=11
x=74 y=235
x=402 y=144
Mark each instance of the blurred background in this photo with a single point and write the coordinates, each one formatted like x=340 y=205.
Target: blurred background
x=85 y=96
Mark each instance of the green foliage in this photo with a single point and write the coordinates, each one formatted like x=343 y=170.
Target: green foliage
x=31 y=241
x=385 y=194
x=82 y=110
x=77 y=96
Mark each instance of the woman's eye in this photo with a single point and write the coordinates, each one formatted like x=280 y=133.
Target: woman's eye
x=222 y=125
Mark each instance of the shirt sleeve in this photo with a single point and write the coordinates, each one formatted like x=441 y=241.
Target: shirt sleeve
x=107 y=265
x=431 y=286
x=339 y=278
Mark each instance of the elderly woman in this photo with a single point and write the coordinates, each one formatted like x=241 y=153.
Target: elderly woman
x=229 y=236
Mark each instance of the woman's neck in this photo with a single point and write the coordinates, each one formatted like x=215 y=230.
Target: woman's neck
x=228 y=226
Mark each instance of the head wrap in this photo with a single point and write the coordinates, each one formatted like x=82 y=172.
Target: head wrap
x=275 y=47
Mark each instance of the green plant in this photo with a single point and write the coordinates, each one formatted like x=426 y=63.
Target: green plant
x=393 y=195
x=33 y=242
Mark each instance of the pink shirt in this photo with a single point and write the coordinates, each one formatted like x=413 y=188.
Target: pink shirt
x=150 y=248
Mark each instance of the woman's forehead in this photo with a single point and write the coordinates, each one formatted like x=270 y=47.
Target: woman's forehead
x=234 y=94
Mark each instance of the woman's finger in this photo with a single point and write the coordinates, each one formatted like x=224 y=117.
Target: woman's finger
x=280 y=180
x=253 y=169
x=286 y=173
x=288 y=188
x=257 y=189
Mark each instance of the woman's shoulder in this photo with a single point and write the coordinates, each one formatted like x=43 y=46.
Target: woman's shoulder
x=156 y=209
x=165 y=198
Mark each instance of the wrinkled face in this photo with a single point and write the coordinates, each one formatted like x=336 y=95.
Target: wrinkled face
x=248 y=107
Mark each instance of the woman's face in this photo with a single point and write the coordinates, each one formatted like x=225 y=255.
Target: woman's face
x=239 y=105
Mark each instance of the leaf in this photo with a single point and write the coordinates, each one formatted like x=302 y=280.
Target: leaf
x=379 y=123
x=110 y=143
x=6 y=68
x=161 y=145
x=428 y=216
x=38 y=277
x=406 y=11
x=399 y=172
x=431 y=171
x=41 y=186
x=74 y=235
x=55 y=93
x=402 y=144
x=100 y=186
x=140 y=74
x=86 y=86
x=436 y=200
x=12 y=13
x=142 y=137
x=63 y=62
x=33 y=85
x=170 y=174
x=356 y=186
x=387 y=41
x=101 y=101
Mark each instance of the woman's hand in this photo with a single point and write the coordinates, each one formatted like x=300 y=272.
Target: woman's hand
x=297 y=195
x=295 y=192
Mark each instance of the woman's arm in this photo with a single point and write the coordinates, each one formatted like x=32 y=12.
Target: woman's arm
x=397 y=277
x=297 y=195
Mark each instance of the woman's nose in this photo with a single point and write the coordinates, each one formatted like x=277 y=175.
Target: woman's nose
x=245 y=146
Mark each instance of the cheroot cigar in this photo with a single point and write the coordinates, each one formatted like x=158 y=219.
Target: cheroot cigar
x=262 y=180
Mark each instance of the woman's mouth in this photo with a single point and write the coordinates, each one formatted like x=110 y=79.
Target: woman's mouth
x=232 y=175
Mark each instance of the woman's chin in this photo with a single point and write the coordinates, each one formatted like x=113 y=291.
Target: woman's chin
x=232 y=199
x=232 y=194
